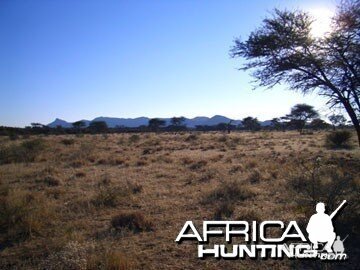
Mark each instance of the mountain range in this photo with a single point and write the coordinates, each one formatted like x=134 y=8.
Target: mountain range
x=143 y=121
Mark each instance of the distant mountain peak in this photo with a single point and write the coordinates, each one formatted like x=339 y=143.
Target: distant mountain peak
x=143 y=121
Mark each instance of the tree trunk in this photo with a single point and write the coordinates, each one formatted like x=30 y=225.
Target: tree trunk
x=358 y=133
x=353 y=118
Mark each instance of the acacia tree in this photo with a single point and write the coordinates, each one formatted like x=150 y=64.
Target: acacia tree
x=37 y=125
x=279 y=123
x=283 y=50
x=301 y=114
x=78 y=125
x=177 y=121
x=337 y=120
x=156 y=123
x=318 y=123
x=251 y=123
x=98 y=126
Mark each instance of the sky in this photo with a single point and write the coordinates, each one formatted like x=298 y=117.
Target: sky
x=76 y=59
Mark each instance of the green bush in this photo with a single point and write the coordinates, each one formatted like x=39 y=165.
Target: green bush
x=339 y=139
x=27 y=151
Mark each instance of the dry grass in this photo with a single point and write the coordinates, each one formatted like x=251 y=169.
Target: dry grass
x=119 y=201
x=24 y=214
x=133 y=221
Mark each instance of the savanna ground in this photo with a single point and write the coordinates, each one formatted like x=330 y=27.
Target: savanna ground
x=118 y=201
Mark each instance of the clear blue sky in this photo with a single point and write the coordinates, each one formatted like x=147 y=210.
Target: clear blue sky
x=82 y=59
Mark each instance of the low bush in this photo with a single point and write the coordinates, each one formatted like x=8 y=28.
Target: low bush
x=223 y=139
x=134 y=138
x=13 y=136
x=191 y=138
x=27 y=151
x=51 y=181
x=134 y=187
x=198 y=165
x=322 y=182
x=249 y=215
x=67 y=141
x=229 y=191
x=224 y=210
x=338 y=139
x=109 y=196
x=255 y=176
x=133 y=221
x=24 y=214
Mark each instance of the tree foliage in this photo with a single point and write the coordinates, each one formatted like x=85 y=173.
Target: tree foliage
x=283 y=50
x=301 y=114
x=251 y=123
x=156 y=123
x=79 y=124
x=98 y=126
x=177 y=121
x=337 y=120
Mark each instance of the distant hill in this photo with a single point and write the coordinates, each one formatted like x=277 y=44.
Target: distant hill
x=143 y=121
x=59 y=122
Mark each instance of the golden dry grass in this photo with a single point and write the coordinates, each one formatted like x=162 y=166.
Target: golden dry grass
x=85 y=182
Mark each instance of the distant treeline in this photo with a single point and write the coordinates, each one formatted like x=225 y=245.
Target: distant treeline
x=302 y=117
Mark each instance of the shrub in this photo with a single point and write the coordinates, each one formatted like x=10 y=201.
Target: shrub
x=134 y=187
x=236 y=168
x=224 y=210
x=80 y=174
x=198 y=165
x=23 y=214
x=318 y=181
x=67 y=141
x=141 y=162
x=80 y=156
x=251 y=164
x=51 y=181
x=222 y=139
x=191 y=138
x=249 y=215
x=146 y=151
x=33 y=145
x=255 y=176
x=338 y=139
x=27 y=151
x=134 y=138
x=228 y=191
x=109 y=196
x=13 y=136
x=133 y=221
x=329 y=182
